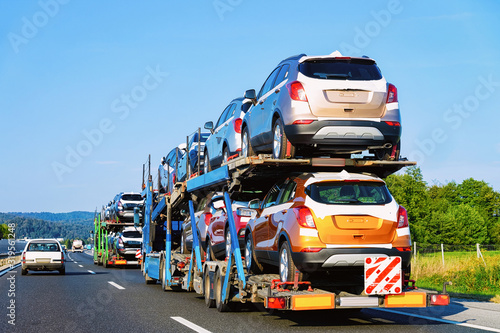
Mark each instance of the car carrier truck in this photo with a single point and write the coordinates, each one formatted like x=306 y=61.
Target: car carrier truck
x=224 y=282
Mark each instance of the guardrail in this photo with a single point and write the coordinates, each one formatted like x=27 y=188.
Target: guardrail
x=5 y=258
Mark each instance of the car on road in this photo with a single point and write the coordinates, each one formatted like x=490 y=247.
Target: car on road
x=323 y=105
x=43 y=255
x=326 y=224
x=122 y=209
x=225 y=137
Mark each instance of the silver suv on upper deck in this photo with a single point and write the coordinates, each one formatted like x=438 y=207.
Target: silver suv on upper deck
x=323 y=105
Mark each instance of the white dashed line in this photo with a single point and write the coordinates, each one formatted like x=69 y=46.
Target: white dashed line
x=115 y=285
x=91 y=272
x=189 y=324
x=80 y=266
x=484 y=328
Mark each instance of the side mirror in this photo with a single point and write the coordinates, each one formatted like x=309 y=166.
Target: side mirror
x=254 y=204
x=250 y=97
x=209 y=126
x=137 y=217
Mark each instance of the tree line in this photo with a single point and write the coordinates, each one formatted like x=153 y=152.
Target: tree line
x=452 y=213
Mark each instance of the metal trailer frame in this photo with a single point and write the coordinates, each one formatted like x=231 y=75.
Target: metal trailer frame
x=223 y=282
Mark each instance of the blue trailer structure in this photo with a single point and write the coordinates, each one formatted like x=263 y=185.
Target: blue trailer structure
x=224 y=282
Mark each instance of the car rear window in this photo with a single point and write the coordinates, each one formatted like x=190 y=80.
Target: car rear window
x=43 y=247
x=355 y=193
x=132 y=234
x=132 y=197
x=332 y=69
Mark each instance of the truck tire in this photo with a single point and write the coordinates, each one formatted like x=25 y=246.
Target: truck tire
x=218 y=285
x=24 y=271
x=149 y=280
x=207 y=287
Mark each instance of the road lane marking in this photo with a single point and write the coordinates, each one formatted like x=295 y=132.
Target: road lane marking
x=484 y=328
x=80 y=266
x=116 y=285
x=9 y=269
x=189 y=324
x=91 y=272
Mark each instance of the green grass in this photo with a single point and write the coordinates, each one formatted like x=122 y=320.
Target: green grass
x=469 y=274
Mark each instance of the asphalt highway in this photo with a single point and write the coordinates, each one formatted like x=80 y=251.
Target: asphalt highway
x=91 y=298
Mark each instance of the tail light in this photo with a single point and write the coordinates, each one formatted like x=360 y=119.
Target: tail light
x=62 y=257
x=237 y=125
x=120 y=206
x=402 y=217
x=392 y=94
x=303 y=122
x=311 y=249
x=393 y=123
x=208 y=217
x=304 y=217
x=440 y=300
x=276 y=303
x=24 y=257
x=120 y=243
x=296 y=91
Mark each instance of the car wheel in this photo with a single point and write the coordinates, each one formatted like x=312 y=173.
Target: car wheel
x=62 y=271
x=24 y=271
x=280 y=141
x=286 y=265
x=246 y=147
x=225 y=154
x=251 y=263
x=228 y=242
x=209 y=256
x=206 y=163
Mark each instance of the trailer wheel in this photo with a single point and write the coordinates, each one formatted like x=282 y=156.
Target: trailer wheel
x=105 y=262
x=164 y=286
x=148 y=279
x=287 y=267
x=207 y=290
x=218 y=285
x=251 y=263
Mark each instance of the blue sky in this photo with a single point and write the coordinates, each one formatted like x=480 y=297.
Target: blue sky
x=88 y=88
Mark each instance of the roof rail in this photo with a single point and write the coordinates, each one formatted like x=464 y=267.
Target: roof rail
x=295 y=57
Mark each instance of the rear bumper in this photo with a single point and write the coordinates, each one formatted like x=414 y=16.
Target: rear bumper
x=43 y=267
x=329 y=134
x=345 y=258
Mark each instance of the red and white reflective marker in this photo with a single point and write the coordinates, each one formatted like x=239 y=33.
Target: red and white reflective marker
x=138 y=254
x=383 y=275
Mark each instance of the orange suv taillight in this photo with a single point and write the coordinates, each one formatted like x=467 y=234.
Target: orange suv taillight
x=304 y=217
x=296 y=91
x=402 y=217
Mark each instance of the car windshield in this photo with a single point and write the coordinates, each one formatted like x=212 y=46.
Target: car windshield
x=350 y=69
x=43 y=247
x=132 y=197
x=132 y=234
x=355 y=193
